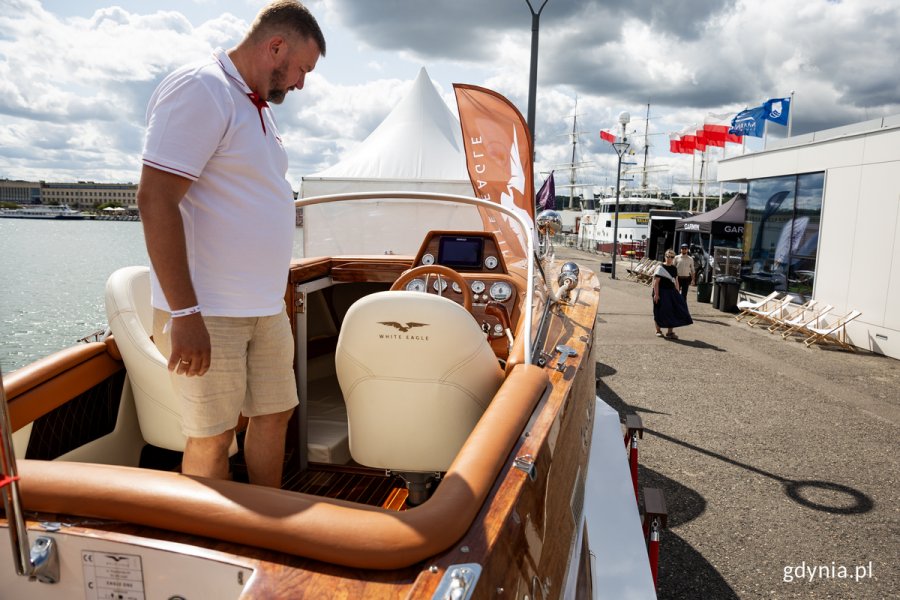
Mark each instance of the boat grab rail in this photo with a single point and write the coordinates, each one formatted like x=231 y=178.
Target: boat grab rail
x=41 y=560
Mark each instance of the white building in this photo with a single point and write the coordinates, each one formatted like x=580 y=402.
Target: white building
x=823 y=220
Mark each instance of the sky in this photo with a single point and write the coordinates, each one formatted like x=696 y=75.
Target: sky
x=76 y=75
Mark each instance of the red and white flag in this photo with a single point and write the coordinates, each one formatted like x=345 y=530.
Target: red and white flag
x=605 y=135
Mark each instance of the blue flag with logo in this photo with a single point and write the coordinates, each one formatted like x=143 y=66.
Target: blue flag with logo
x=749 y=122
x=777 y=110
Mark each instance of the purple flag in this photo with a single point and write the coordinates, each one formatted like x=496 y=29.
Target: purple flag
x=546 y=196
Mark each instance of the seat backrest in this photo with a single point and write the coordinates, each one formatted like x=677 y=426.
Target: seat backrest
x=416 y=372
x=130 y=318
x=842 y=321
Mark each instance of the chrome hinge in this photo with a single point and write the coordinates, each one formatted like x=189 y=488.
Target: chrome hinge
x=299 y=302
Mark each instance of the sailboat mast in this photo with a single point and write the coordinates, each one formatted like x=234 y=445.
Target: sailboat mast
x=572 y=171
x=646 y=150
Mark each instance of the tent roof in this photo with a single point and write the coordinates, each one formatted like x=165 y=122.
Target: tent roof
x=420 y=140
x=732 y=212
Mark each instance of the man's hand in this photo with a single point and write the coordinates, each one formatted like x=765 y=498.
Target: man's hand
x=191 y=350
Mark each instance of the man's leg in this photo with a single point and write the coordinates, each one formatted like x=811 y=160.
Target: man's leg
x=264 y=447
x=207 y=456
x=271 y=398
x=685 y=284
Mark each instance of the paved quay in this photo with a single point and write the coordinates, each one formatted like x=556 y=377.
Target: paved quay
x=776 y=459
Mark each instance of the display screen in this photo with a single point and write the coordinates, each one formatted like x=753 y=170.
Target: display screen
x=461 y=252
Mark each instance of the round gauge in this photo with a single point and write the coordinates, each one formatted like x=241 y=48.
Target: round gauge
x=490 y=262
x=439 y=284
x=416 y=285
x=456 y=288
x=477 y=287
x=427 y=259
x=501 y=291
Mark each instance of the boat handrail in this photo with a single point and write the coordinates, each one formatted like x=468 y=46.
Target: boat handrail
x=41 y=560
x=518 y=215
x=9 y=485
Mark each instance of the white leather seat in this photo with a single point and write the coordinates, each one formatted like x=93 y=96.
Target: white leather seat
x=416 y=373
x=130 y=318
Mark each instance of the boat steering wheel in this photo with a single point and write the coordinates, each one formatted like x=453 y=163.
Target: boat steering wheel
x=440 y=271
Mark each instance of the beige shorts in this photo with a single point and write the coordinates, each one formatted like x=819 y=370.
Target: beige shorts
x=251 y=372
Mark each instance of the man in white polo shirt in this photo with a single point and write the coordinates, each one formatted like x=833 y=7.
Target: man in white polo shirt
x=218 y=217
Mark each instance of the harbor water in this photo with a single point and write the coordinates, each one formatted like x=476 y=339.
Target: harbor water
x=52 y=279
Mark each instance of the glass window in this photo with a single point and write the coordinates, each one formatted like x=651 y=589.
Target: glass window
x=781 y=234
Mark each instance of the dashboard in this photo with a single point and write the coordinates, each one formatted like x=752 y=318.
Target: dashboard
x=477 y=258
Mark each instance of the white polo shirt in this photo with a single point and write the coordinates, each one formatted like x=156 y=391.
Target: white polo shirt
x=239 y=212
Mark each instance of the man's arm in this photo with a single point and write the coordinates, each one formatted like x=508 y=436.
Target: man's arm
x=159 y=194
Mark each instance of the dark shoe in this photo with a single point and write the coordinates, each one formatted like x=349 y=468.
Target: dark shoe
x=672 y=336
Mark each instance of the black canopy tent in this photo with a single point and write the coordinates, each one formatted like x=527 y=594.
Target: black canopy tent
x=724 y=225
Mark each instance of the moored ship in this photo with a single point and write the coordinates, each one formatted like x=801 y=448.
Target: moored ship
x=50 y=211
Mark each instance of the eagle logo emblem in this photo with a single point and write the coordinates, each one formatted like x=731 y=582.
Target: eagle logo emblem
x=403 y=328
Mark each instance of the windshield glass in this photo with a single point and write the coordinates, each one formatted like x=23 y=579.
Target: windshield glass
x=370 y=225
x=397 y=223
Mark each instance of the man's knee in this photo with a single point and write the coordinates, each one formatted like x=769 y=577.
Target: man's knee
x=273 y=420
x=213 y=443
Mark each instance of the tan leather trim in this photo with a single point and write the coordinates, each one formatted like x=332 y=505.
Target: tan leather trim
x=38 y=388
x=113 y=348
x=319 y=528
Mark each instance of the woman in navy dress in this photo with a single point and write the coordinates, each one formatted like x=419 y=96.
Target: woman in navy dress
x=669 y=307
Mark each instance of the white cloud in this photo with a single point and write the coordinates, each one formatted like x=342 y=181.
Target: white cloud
x=75 y=84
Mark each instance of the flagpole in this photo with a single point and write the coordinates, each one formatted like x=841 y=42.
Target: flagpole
x=693 y=165
x=791 y=114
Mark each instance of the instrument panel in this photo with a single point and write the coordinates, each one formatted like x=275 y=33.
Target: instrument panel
x=477 y=258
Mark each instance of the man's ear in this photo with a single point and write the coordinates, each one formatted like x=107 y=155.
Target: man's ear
x=276 y=46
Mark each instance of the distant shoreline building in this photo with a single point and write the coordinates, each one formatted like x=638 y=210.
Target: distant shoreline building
x=82 y=194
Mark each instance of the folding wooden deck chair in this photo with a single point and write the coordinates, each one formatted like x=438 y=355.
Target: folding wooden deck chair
x=648 y=271
x=645 y=273
x=790 y=313
x=770 y=313
x=633 y=271
x=835 y=333
x=745 y=306
x=799 y=324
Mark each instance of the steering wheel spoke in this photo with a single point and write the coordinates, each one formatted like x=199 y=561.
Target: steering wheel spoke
x=442 y=273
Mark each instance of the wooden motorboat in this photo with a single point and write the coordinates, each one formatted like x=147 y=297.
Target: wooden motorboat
x=448 y=444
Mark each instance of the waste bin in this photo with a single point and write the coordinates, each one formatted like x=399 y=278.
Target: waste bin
x=704 y=291
x=727 y=293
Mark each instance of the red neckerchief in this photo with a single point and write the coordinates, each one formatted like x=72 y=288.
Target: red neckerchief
x=260 y=104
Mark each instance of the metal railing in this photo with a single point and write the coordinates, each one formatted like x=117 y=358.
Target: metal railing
x=39 y=561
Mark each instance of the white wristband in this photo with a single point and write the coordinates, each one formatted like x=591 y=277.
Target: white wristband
x=184 y=312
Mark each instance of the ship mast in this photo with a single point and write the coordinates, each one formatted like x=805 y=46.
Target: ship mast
x=572 y=170
x=573 y=165
x=646 y=150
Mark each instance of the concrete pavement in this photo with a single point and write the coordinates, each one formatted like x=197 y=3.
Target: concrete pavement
x=779 y=462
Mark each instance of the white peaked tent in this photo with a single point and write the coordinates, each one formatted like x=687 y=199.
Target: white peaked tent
x=418 y=146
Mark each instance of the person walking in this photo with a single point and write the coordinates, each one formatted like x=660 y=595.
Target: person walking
x=218 y=218
x=669 y=307
x=684 y=264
